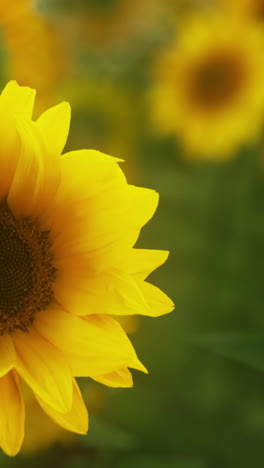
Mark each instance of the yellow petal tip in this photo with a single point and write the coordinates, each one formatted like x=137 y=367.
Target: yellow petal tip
x=137 y=364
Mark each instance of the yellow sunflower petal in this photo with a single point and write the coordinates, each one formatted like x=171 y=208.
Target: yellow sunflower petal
x=134 y=205
x=75 y=420
x=143 y=203
x=119 y=378
x=94 y=346
x=17 y=100
x=12 y=414
x=8 y=158
x=36 y=177
x=7 y=353
x=141 y=262
x=81 y=367
x=159 y=303
x=54 y=125
x=14 y=101
x=44 y=369
x=86 y=217
x=93 y=171
x=113 y=294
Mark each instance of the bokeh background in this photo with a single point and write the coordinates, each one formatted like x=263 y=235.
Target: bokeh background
x=176 y=88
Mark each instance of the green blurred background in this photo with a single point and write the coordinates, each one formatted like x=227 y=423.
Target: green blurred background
x=202 y=404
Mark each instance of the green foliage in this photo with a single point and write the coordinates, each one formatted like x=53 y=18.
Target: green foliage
x=103 y=435
x=245 y=348
x=147 y=461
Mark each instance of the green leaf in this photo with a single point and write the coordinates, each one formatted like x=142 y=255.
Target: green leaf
x=247 y=348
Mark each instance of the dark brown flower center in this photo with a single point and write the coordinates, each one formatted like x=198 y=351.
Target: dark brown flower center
x=216 y=81
x=27 y=273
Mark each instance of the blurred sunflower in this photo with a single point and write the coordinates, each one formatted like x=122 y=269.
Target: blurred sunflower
x=67 y=229
x=35 y=53
x=246 y=9
x=209 y=86
x=188 y=7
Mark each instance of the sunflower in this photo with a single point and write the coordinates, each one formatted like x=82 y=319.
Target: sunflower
x=67 y=265
x=188 y=7
x=209 y=86
x=35 y=52
x=246 y=9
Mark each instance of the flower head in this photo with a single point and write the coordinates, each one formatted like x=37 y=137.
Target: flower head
x=209 y=86
x=68 y=225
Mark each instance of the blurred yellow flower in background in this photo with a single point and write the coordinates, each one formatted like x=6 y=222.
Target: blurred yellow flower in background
x=189 y=7
x=246 y=9
x=209 y=86
x=35 y=52
x=67 y=227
